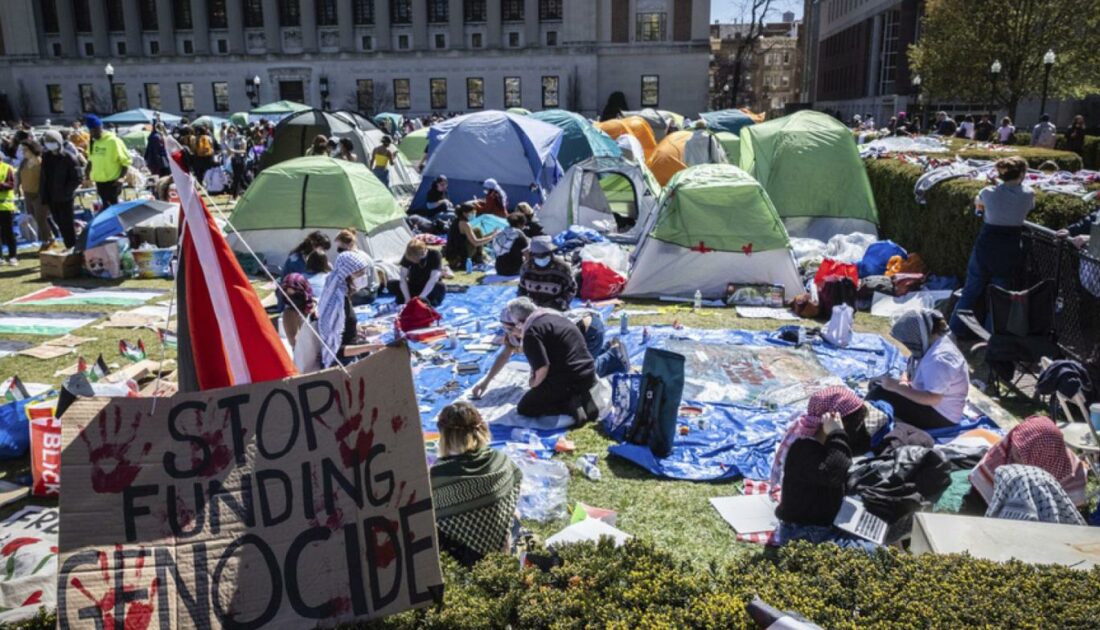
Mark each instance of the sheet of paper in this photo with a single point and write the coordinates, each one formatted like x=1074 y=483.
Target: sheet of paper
x=883 y=305
x=766 y=312
x=747 y=514
x=590 y=529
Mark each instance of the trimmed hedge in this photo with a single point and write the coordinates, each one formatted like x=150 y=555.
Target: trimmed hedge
x=944 y=229
x=638 y=586
x=1090 y=156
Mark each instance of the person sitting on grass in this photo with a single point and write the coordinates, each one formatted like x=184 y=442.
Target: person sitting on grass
x=336 y=316
x=811 y=470
x=474 y=487
x=510 y=245
x=496 y=200
x=465 y=242
x=532 y=228
x=934 y=394
x=545 y=278
x=421 y=269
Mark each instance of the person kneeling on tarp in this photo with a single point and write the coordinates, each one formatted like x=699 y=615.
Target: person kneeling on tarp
x=475 y=488
x=811 y=469
x=421 y=269
x=609 y=358
x=562 y=370
x=934 y=394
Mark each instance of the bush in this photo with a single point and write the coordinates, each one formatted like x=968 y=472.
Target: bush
x=943 y=230
x=638 y=586
x=1090 y=156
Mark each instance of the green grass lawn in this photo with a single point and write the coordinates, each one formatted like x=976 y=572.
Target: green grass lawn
x=676 y=515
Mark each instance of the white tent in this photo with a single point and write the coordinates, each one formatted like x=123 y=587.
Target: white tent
x=714 y=225
x=612 y=195
x=404 y=178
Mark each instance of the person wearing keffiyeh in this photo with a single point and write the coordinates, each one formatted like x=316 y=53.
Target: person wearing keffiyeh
x=336 y=316
x=1034 y=442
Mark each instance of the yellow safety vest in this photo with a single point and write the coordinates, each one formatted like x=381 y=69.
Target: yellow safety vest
x=7 y=197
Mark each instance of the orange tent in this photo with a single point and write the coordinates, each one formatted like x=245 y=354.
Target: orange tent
x=668 y=157
x=635 y=126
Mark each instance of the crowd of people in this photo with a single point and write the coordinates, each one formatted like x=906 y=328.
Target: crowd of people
x=980 y=128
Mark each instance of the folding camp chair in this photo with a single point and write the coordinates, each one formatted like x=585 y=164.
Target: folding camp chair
x=1022 y=324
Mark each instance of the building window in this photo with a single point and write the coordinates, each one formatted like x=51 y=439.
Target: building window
x=400 y=11
x=402 y=98
x=476 y=40
x=786 y=58
x=82 y=14
x=53 y=93
x=475 y=93
x=152 y=95
x=121 y=48
x=216 y=15
x=549 y=10
x=438 y=88
x=223 y=46
x=440 y=40
x=148 y=11
x=221 y=96
x=364 y=95
x=89 y=49
x=187 y=97
x=253 y=13
x=182 y=15
x=438 y=10
x=402 y=42
x=368 y=42
x=511 y=10
x=362 y=12
x=119 y=92
x=326 y=12
x=290 y=13
x=513 y=39
x=57 y=49
x=474 y=10
x=116 y=21
x=651 y=27
x=651 y=90
x=513 y=96
x=87 y=98
x=891 y=24
x=154 y=48
x=49 y=17
x=786 y=81
x=551 y=38
x=188 y=47
x=549 y=92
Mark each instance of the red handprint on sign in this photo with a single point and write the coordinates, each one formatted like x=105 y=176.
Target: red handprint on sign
x=139 y=611
x=112 y=468
x=354 y=438
x=221 y=452
x=335 y=518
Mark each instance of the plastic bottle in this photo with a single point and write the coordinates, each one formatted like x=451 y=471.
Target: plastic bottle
x=624 y=323
x=469 y=265
x=588 y=467
x=697 y=303
x=1094 y=416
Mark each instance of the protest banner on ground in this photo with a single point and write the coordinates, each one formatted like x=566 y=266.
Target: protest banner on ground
x=288 y=503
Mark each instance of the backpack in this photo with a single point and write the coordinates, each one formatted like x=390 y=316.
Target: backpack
x=834 y=291
x=659 y=401
x=204 y=147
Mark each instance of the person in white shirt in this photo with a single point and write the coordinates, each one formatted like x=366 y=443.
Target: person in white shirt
x=1006 y=131
x=1045 y=134
x=933 y=396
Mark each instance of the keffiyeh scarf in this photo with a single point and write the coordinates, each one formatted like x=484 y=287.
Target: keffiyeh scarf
x=330 y=318
x=1034 y=442
x=1028 y=493
x=836 y=399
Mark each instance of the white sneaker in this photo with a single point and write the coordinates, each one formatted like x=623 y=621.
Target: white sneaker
x=14 y=262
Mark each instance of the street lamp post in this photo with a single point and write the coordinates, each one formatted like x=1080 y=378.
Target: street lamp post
x=915 y=82
x=994 y=73
x=252 y=88
x=1048 y=63
x=109 y=70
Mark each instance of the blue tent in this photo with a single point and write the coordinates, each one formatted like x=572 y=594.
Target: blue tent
x=139 y=116
x=521 y=153
x=580 y=139
x=730 y=120
x=389 y=122
x=121 y=217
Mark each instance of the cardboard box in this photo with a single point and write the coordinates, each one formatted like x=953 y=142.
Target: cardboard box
x=145 y=234
x=55 y=265
x=167 y=236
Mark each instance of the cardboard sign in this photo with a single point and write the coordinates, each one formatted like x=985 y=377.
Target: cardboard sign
x=289 y=503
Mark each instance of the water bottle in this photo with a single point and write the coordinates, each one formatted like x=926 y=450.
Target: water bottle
x=1094 y=416
x=588 y=467
x=469 y=265
x=697 y=303
x=624 y=323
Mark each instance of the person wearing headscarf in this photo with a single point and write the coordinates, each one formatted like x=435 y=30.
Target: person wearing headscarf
x=1034 y=442
x=496 y=200
x=933 y=393
x=299 y=294
x=810 y=470
x=1028 y=493
x=336 y=316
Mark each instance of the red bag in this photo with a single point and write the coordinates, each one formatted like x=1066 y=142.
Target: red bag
x=830 y=267
x=417 y=314
x=600 y=282
x=45 y=451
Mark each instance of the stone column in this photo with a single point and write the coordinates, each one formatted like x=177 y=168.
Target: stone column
x=166 y=34
x=456 y=31
x=345 y=19
x=492 y=24
x=200 y=27
x=234 y=19
x=308 y=22
x=382 y=38
x=66 y=23
x=273 y=37
x=100 y=34
x=531 y=23
x=132 y=14
x=420 y=25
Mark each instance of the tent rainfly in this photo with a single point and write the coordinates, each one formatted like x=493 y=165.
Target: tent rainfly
x=276 y=111
x=414 y=145
x=714 y=225
x=728 y=120
x=681 y=149
x=612 y=195
x=632 y=125
x=141 y=116
x=580 y=139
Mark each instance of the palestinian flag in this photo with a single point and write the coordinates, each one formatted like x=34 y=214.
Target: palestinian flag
x=52 y=324
x=130 y=351
x=168 y=338
x=94 y=371
x=68 y=296
x=238 y=344
x=13 y=390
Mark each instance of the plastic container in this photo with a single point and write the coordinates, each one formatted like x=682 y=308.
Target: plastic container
x=589 y=467
x=697 y=301
x=624 y=323
x=1094 y=416
x=544 y=490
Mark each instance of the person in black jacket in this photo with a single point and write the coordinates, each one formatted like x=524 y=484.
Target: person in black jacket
x=811 y=469
x=60 y=178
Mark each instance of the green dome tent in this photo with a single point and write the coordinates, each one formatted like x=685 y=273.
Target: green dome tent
x=414 y=144
x=276 y=111
x=731 y=144
x=291 y=199
x=714 y=225
x=136 y=138
x=809 y=164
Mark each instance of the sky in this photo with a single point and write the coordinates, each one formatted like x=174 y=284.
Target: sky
x=726 y=11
